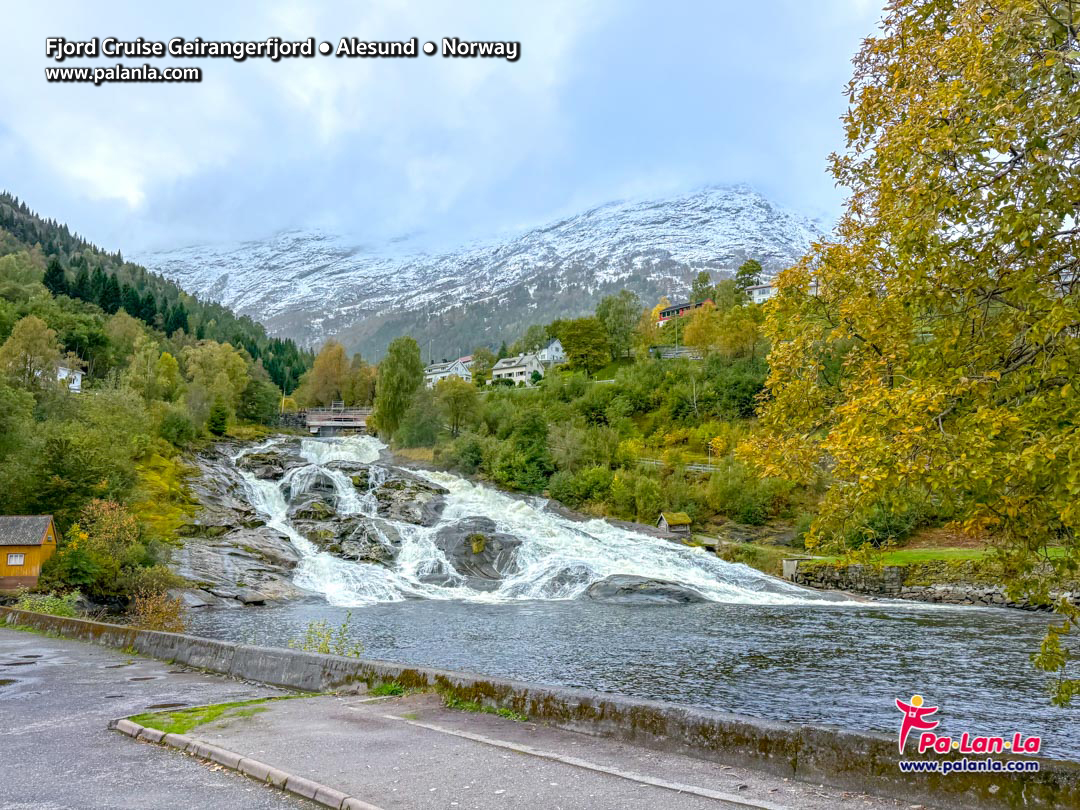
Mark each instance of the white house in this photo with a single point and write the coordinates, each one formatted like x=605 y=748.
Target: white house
x=442 y=371
x=552 y=354
x=72 y=376
x=760 y=293
x=517 y=369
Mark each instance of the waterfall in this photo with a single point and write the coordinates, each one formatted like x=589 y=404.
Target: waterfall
x=558 y=558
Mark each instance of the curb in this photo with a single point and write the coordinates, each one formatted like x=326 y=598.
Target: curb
x=252 y=768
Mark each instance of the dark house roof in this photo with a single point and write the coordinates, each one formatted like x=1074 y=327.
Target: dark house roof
x=675 y=309
x=23 y=530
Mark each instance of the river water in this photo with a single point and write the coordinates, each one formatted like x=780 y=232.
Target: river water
x=758 y=646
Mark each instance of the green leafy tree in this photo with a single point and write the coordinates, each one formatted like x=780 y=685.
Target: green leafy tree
x=422 y=421
x=585 y=342
x=483 y=360
x=401 y=373
x=459 y=400
x=31 y=354
x=701 y=289
x=218 y=421
x=748 y=274
x=620 y=315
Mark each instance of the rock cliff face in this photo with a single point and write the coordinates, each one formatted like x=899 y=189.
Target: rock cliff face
x=230 y=556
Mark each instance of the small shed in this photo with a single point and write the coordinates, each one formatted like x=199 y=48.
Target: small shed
x=26 y=542
x=674 y=522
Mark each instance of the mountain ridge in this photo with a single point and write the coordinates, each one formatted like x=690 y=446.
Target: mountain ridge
x=312 y=285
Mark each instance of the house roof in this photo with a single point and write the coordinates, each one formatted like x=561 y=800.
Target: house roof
x=513 y=362
x=676 y=518
x=439 y=368
x=23 y=530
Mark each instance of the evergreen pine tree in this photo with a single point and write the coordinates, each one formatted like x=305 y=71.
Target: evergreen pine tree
x=218 y=421
x=81 y=288
x=149 y=309
x=97 y=285
x=110 y=295
x=130 y=301
x=55 y=281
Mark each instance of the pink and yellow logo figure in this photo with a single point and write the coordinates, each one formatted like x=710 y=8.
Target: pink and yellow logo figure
x=915 y=717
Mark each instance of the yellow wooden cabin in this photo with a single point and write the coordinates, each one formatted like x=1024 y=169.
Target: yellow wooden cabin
x=26 y=542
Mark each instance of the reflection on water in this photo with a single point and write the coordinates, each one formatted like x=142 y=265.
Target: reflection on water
x=820 y=663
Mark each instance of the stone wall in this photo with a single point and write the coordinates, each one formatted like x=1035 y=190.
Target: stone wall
x=852 y=760
x=909 y=582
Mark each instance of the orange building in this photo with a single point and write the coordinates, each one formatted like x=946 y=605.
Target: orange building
x=26 y=541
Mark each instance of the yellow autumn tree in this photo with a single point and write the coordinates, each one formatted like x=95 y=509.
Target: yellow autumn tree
x=931 y=352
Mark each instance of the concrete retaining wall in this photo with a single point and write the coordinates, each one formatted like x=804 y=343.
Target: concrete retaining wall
x=852 y=760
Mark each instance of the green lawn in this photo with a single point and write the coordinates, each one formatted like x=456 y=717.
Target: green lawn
x=609 y=371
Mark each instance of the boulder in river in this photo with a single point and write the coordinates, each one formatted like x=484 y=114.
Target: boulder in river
x=477 y=551
x=271 y=465
x=626 y=588
x=315 y=509
x=410 y=499
x=356 y=537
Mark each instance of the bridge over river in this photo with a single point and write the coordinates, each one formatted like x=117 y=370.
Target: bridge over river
x=335 y=420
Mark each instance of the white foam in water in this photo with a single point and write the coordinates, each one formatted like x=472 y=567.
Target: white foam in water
x=558 y=558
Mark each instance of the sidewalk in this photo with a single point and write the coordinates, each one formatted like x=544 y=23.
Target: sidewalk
x=413 y=752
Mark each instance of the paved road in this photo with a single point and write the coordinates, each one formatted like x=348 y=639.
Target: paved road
x=413 y=753
x=56 y=699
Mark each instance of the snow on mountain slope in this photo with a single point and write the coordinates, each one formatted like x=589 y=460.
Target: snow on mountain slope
x=312 y=285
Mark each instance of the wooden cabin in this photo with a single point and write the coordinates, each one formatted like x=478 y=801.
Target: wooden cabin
x=26 y=542
x=674 y=522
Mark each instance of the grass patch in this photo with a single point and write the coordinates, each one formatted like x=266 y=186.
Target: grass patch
x=416 y=453
x=387 y=689
x=609 y=371
x=184 y=720
x=452 y=702
x=768 y=559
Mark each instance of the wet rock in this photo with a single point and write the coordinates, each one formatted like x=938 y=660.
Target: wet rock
x=410 y=499
x=244 y=566
x=270 y=465
x=311 y=483
x=639 y=590
x=477 y=551
x=312 y=509
x=222 y=496
x=357 y=538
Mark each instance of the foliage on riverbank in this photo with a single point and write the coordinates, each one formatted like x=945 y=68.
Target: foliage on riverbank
x=156 y=365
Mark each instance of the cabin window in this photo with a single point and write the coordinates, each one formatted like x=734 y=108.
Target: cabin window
x=16 y=559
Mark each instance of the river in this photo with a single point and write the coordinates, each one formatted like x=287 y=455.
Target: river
x=755 y=645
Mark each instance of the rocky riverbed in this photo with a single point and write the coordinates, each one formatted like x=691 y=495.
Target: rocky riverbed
x=293 y=519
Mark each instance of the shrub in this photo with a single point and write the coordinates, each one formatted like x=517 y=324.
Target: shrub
x=157 y=611
x=176 y=426
x=320 y=637
x=50 y=603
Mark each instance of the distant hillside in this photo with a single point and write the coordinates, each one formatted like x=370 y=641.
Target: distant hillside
x=311 y=285
x=112 y=283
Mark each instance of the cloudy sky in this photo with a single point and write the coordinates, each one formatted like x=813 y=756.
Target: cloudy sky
x=610 y=99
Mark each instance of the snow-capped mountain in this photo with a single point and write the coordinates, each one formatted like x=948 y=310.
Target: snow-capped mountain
x=311 y=285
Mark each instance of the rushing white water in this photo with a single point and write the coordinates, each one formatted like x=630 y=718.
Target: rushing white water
x=558 y=558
